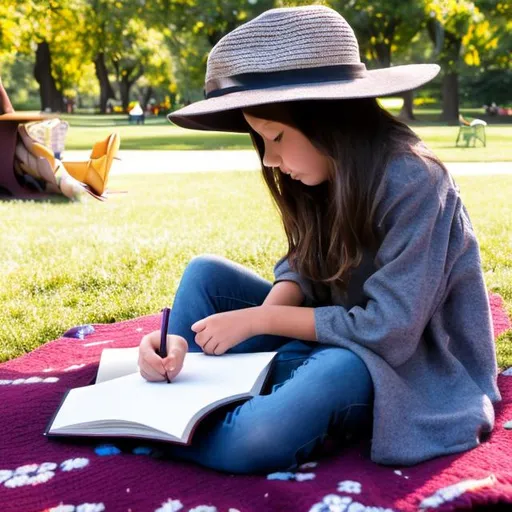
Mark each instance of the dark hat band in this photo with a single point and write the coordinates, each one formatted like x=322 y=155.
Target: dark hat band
x=251 y=81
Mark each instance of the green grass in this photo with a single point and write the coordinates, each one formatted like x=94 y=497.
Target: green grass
x=158 y=133
x=64 y=264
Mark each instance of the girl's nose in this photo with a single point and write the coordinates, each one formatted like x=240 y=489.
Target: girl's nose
x=271 y=159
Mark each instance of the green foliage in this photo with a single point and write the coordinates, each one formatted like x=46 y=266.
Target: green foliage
x=10 y=30
x=57 y=22
x=451 y=25
x=191 y=28
x=163 y=44
x=383 y=27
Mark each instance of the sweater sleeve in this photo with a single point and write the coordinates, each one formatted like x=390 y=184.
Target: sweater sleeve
x=283 y=272
x=415 y=210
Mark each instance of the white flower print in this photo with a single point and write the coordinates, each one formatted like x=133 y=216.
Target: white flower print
x=34 y=474
x=30 y=474
x=203 y=508
x=302 y=477
x=70 y=464
x=84 y=507
x=63 y=508
x=170 y=506
x=376 y=509
x=74 y=367
x=332 y=503
x=90 y=507
x=454 y=491
x=5 y=474
x=28 y=380
x=349 y=486
x=335 y=503
x=356 y=507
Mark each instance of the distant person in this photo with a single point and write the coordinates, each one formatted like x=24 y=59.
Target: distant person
x=378 y=312
x=136 y=114
x=70 y=105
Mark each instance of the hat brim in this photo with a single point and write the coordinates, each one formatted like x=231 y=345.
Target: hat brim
x=222 y=113
x=24 y=116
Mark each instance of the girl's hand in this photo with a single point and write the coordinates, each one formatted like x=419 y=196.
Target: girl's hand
x=154 y=368
x=216 y=334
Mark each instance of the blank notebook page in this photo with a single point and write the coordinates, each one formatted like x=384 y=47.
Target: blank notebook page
x=165 y=407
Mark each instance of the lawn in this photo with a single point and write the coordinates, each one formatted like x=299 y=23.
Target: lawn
x=158 y=133
x=66 y=264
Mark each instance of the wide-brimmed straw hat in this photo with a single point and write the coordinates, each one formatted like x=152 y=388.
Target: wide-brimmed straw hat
x=290 y=54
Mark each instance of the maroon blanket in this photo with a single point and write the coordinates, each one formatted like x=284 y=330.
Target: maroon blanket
x=38 y=474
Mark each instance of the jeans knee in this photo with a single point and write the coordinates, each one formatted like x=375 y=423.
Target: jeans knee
x=262 y=450
x=338 y=362
x=205 y=268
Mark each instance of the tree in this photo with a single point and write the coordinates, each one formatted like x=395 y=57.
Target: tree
x=449 y=23
x=53 y=30
x=489 y=46
x=139 y=53
x=383 y=28
x=192 y=27
x=104 y=29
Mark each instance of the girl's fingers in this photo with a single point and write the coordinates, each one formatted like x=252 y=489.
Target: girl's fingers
x=156 y=372
x=149 y=361
x=151 y=376
x=198 y=326
x=217 y=351
x=151 y=341
x=207 y=346
x=177 y=350
x=200 y=339
x=173 y=366
x=175 y=343
x=155 y=368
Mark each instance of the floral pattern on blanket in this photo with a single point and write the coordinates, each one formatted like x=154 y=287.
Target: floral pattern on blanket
x=35 y=474
x=41 y=475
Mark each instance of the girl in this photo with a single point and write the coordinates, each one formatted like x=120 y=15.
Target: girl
x=378 y=311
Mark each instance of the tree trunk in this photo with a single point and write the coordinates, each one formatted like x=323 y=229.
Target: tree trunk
x=147 y=96
x=51 y=97
x=450 y=91
x=124 y=88
x=383 y=52
x=406 y=113
x=126 y=82
x=106 y=90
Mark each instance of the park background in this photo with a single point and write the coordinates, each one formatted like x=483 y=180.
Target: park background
x=69 y=263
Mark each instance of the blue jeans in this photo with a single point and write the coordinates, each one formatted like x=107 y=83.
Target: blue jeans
x=316 y=394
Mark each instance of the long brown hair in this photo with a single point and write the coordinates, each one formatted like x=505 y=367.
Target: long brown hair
x=329 y=226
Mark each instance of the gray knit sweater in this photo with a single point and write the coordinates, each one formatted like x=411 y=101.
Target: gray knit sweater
x=417 y=313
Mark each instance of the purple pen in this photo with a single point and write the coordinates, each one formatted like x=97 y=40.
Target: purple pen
x=163 y=335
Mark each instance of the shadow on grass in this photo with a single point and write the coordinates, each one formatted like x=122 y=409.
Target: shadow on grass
x=57 y=199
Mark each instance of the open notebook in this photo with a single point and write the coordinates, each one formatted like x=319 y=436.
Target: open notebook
x=123 y=404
